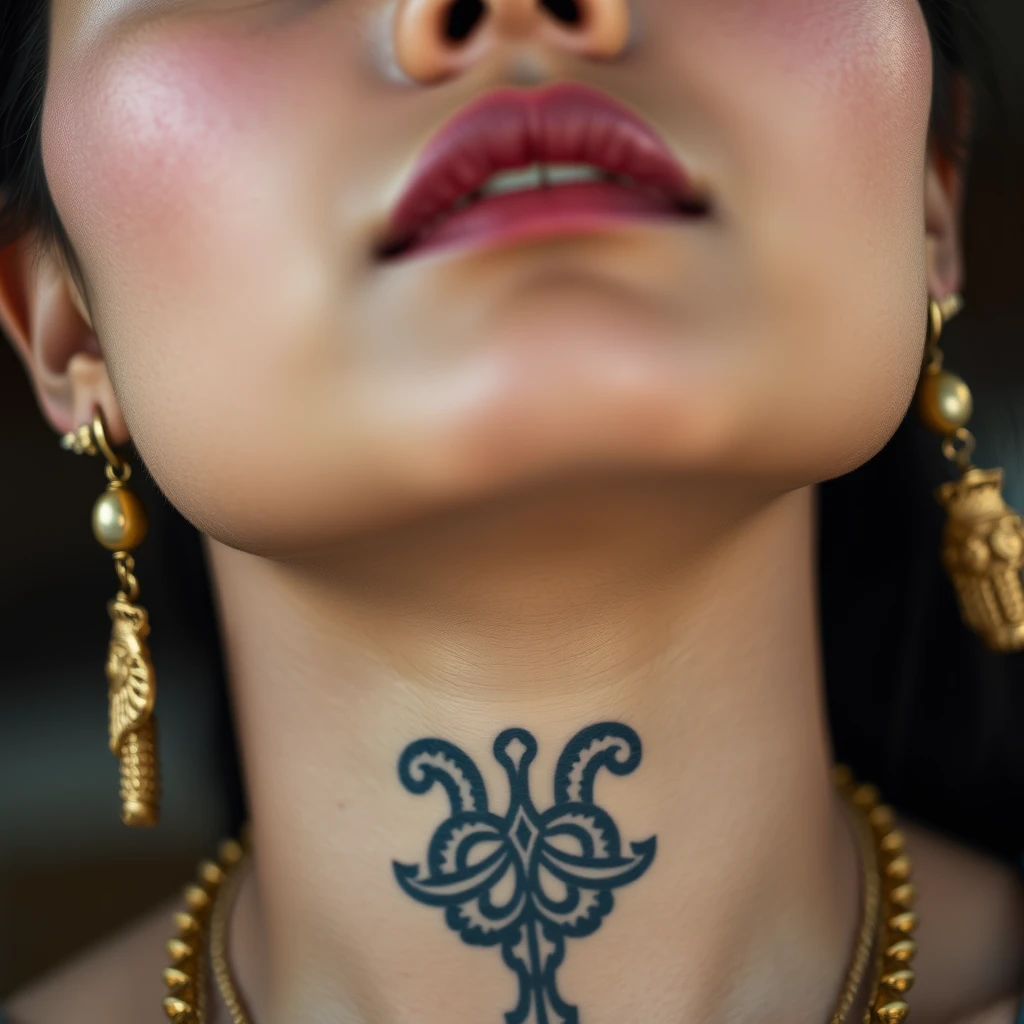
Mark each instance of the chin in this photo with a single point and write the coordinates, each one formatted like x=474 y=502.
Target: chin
x=565 y=412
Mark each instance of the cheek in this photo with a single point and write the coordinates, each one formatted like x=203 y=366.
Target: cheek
x=140 y=142
x=181 y=166
x=826 y=103
x=828 y=174
x=861 y=54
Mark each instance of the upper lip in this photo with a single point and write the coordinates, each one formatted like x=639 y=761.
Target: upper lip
x=515 y=127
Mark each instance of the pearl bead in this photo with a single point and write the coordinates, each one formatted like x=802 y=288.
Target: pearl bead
x=119 y=519
x=944 y=402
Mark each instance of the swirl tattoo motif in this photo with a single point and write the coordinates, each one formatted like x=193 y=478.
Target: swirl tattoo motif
x=528 y=880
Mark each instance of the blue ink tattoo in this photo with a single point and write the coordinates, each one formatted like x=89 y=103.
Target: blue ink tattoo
x=564 y=863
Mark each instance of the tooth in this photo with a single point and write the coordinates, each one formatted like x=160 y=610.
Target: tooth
x=542 y=176
x=568 y=174
x=536 y=176
x=514 y=181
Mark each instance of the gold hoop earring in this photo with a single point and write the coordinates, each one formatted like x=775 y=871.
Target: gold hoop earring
x=119 y=523
x=983 y=540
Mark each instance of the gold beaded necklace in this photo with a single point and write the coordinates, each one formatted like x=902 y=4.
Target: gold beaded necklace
x=887 y=922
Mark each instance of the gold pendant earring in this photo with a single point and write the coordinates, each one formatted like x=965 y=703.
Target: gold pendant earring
x=983 y=540
x=119 y=523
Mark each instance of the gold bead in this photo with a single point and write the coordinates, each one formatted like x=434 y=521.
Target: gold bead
x=903 y=896
x=898 y=981
x=230 y=853
x=893 y=842
x=944 y=402
x=187 y=925
x=197 y=899
x=178 y=1010
x=898 y=869
x=211 y=873
x=904 y=923
x=866 y=796
x=179 y=951
x=892 y=1013
x=176 y=980
x=902 y=952
x=882 y=818
x=119 y=520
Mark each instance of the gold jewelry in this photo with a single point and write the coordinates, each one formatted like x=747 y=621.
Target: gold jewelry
x=983 y=541
x=894 y=949
x=871 y=905
x=219 y=958
x=187 y=977
x=883 y=941
x=119 y=523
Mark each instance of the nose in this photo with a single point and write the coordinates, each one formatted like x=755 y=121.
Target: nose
x=435 y=39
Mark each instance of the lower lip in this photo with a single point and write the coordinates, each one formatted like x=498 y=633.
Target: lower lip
x=564 y=209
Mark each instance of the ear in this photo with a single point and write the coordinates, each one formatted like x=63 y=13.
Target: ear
x=945 y=181
x=47 y=320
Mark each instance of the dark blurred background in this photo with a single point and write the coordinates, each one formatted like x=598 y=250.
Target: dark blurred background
x=69 y=870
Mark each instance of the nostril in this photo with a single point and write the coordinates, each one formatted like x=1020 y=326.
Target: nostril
x=435 y=39
x=462 y=18
x=565 y=10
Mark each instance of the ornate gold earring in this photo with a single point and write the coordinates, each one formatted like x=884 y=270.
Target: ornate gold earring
x=119 y=523
x=983 y=541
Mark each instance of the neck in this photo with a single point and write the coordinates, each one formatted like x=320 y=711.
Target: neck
x=684 y=614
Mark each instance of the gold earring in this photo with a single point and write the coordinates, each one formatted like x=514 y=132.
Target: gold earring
x=983 y=540
x=119 y=523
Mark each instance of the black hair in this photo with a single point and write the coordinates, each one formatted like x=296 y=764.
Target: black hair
x=25 y=201
x=916 y=703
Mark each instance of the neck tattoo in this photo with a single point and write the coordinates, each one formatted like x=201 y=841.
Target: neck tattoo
x=474 y=852
x=526 y=881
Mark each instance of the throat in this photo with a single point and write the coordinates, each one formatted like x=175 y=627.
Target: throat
x=536 y=741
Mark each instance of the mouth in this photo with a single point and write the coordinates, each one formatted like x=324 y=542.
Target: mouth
x=528 y=163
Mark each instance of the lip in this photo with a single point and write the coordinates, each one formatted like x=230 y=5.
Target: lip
x=511 y=128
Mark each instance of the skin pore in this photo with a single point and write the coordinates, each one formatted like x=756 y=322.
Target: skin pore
x=543 y=486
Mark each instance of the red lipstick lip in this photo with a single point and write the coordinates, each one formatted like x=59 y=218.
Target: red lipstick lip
x=514 y=127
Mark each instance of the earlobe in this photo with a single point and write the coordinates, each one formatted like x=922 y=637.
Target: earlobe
x=91 y=386
x=42 y=313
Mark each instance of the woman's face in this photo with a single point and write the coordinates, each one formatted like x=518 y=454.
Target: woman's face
x=224 y=169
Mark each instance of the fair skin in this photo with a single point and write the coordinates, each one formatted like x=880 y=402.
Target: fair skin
x=544 y=485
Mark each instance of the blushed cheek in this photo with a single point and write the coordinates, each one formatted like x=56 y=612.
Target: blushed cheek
x=872 y=64
x=143 y=139
x=865 y=59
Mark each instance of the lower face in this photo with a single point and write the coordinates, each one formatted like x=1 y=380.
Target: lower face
x=224 y=168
